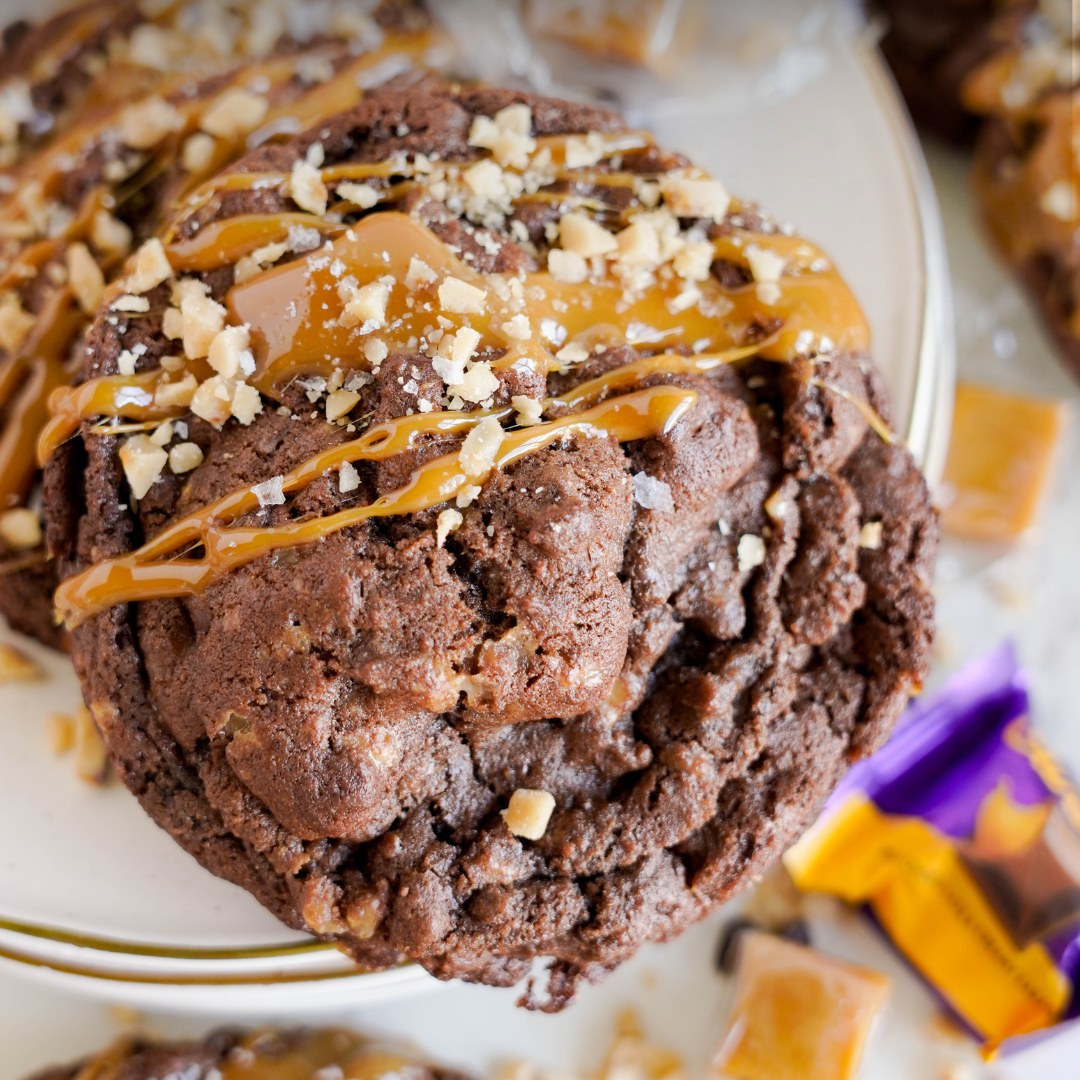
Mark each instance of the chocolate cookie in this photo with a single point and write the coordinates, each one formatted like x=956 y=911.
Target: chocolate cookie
x=514 y=554
x=1026 y=173
x=258 y=1055
x=933 y=45
x=131 y=129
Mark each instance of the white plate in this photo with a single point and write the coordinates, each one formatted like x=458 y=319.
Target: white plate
x=93 y=895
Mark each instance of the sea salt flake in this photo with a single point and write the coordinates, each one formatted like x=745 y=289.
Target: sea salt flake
x=653 y=494
x=270 y=492
x=302 y=238
x=131 y=395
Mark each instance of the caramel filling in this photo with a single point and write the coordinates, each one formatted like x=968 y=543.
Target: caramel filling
x=150 y=573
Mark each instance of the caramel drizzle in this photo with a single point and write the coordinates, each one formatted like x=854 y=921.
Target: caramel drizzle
x=149 y=573
x=1012 y=197
x=38 y=369
x=295 y=312
x=27 y=380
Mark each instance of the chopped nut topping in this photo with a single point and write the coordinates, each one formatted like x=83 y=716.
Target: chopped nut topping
x=177 y=394
x=152 y=46
x=246 y=403
x=692 y=198
x=477 y=384
x=212 y=401
x=581 y=235
x=507 y=135
x=529 y=411
x=348 y=478
x=109 y=235
x=1060 y=201
x=144 y=125
x=307 y=189
x=20 y=529
x=460 y=298
x=364 y=195
x=518 y=328
x=694 y=261
x=572 y=354
x=235 y=112
x=776 y=506
x=172 y=324
x=528 y=813
x=485 y=180
x=135 y=305
x=340 y=403
x=368 y=304
x=162 y=434
x=151 y=267
x=142 y=461
x=766 y=266
x=198 y=152
x=466 y=495
x=567 y=266
x=60 y=732
x=420 y=275
x=750 y=551
x=91 y=760
x=583 y=152
x=375 y=351
x=477 y=454
x=15 y=323
x=464 y=345
x=16 y=666
x=184 y=457
x=203 y=320
x=768 y=292
x=250 y=265
x=447 y=522
x=87 y=280
x=870 y=535
x=229 y=353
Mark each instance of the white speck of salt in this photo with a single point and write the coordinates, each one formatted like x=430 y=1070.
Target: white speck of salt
x=270 y=492
x=652 y=494
x=131 y=395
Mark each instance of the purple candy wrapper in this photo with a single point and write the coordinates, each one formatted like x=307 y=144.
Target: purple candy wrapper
x=962 y=837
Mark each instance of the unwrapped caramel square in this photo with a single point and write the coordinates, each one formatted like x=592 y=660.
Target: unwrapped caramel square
x=798 y=1014
x=1000 y=461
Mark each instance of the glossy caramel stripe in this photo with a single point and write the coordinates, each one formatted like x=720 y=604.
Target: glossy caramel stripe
x=142 y=575
x=27 y=417
x=294 y=311
x=40 y=364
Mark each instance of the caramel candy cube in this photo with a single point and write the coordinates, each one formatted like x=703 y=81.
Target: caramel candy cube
x=651 y=32
x=798 y=1014
x=1000 y=461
